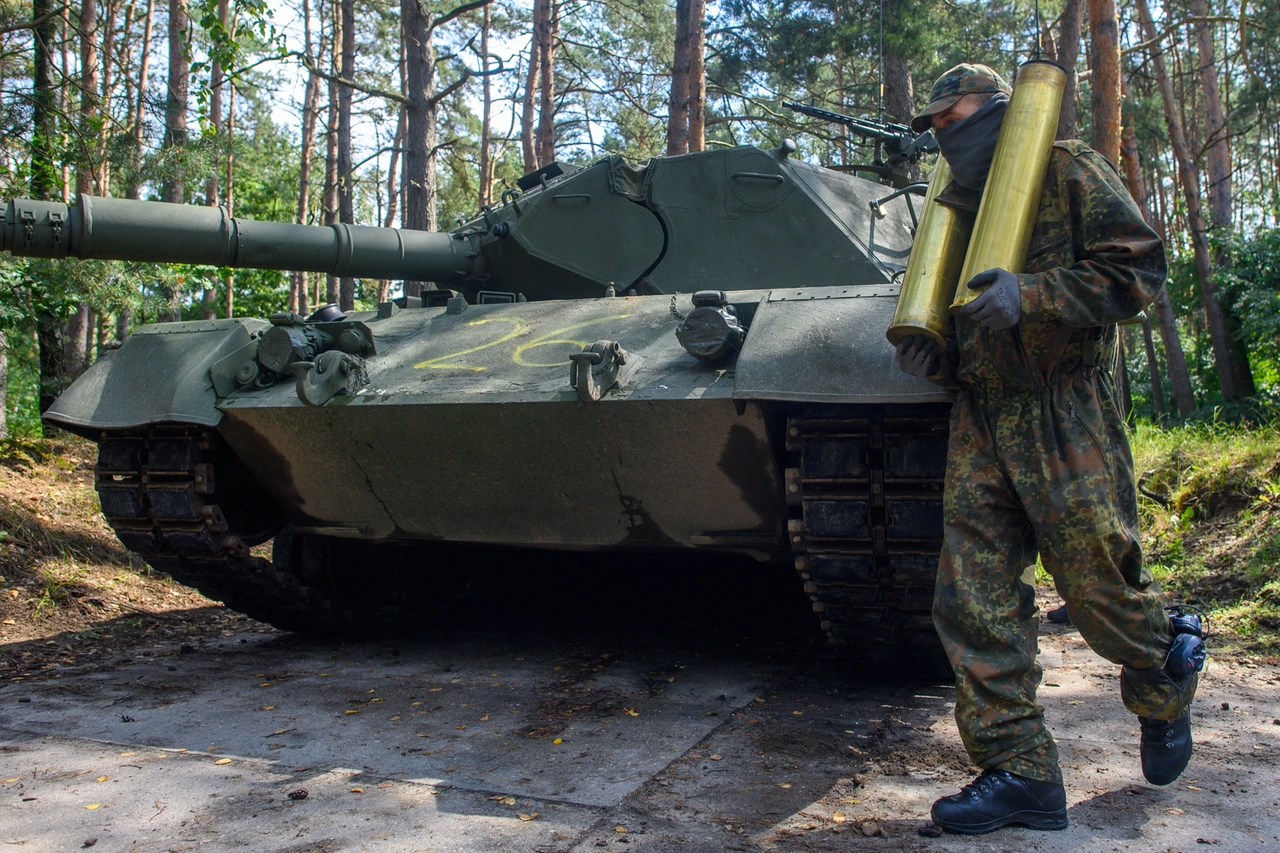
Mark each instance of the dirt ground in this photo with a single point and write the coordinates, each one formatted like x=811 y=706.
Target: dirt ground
x=661 y=709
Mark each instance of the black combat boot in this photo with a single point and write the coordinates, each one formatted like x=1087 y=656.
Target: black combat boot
x=1165 y=748
x=1166 y=744
x=999 y=798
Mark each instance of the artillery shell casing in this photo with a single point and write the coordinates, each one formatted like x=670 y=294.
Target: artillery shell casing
x=1007 y=212
x=933 y=270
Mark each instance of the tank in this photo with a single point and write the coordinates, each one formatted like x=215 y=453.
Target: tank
x=686 y=355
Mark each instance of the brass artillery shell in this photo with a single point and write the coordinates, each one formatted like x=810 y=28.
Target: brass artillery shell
x=929 y=284
x=1006 y=215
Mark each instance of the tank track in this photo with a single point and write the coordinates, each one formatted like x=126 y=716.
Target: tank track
x=158 y=489
x=865 y=490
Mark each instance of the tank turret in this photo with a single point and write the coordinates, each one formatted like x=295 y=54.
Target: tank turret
x=725 y=219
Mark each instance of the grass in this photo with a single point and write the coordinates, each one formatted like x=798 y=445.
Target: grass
x=1210 y=509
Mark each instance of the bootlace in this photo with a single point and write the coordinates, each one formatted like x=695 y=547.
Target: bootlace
x=981 y=786
x=1157 y=732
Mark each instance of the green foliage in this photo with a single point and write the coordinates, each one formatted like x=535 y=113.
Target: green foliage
x=1250 y=283
x=827 y=52
x=22 y=396
x=1213 y=536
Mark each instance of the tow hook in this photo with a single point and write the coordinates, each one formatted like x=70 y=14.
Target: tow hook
x=595 y=370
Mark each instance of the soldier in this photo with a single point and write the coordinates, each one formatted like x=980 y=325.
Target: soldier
x=1039 y=463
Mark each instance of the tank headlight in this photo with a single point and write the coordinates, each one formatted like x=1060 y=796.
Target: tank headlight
x=711 y=330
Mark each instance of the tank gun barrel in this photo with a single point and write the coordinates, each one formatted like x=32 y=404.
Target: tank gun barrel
x=128 y=230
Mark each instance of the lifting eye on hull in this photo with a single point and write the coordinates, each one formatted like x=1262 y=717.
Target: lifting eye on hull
x=711 y=330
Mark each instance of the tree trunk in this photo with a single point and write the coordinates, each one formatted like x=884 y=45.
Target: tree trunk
x=1214 y=317
x=678 y=111
x=1217 y=150
x=101 y=343
x=1183 y=398
x=531 y=86
x=330 y=197
x=73 y=353
x=393 y=192
x=175 y=110
x=1123 y=398
x=44 y=175
x=899 y=95
x=64 y=104
x=899 y=92
x=122 y=324
x=697 y=109
x=90 y=334
x=1104 y=62
x=102 y=165
x=310 y=110
x=229 y=283
x=1218 y=155
x=44 y=178
x=215 y=116
x=49 y=343
x=73 y=357
x=1068 y=57
x=420 y=126
x=485 y=194
x=134 y=189
x=209 y=299
x=346 y=178
x=546 y=137
x=1153 y=370
x=86 y=173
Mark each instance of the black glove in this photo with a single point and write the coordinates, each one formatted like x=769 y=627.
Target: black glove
x=917 y=355
x=1001 y=306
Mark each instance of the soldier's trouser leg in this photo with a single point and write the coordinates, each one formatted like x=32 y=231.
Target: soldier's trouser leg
x=1081 y=498
x=1053 y=461
x=984 y=612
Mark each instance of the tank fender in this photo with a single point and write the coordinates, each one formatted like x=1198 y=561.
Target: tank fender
x=161 y=374
x=827 y=345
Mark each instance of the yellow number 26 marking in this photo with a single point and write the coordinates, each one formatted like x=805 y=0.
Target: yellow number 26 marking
x=518 y=328
x=554 y=338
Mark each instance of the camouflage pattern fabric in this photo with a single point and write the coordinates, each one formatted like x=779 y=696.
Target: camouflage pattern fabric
x=963 y=79
x=1039 y=463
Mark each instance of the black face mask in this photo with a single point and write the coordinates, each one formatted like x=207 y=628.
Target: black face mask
x=970 y=144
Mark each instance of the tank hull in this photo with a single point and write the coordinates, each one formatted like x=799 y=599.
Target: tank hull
x=385 y=453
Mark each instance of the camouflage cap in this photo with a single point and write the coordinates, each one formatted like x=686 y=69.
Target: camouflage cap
x=962 y=80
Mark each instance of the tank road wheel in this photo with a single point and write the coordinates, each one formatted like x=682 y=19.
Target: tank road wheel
x=865 y=489
x=181 y=499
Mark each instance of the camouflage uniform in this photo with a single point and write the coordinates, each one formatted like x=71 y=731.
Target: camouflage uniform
x=1039 y=461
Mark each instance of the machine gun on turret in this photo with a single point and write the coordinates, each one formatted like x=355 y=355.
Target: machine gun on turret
x=897 y=146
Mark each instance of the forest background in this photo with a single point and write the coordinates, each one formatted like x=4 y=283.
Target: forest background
x=416 y=113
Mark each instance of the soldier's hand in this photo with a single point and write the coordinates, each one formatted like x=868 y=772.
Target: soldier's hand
x=917 y=355
x=1001 y=306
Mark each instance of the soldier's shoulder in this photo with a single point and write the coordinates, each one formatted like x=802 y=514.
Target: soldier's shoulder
x=1074 y=147
x=1077 y=154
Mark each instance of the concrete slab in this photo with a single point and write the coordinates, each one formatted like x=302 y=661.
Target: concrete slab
x=668 y=741
x=541 y=725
